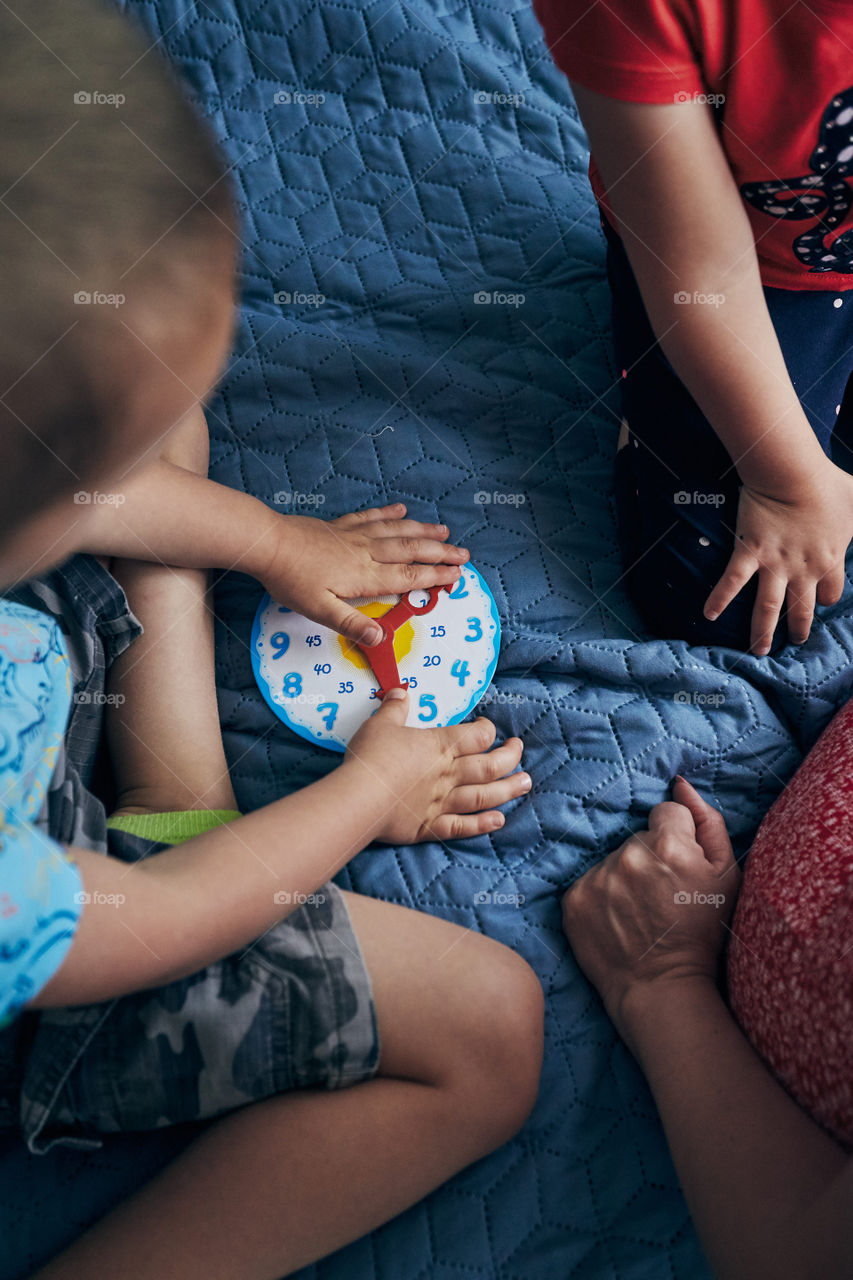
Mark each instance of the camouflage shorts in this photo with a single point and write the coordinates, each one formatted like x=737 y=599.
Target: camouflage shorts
x=292 y=1010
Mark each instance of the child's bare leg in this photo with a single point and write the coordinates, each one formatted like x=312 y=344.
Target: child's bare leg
x=164 y=737
x=281 y=1183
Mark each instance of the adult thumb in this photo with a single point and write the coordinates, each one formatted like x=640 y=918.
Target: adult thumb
x=711 y=831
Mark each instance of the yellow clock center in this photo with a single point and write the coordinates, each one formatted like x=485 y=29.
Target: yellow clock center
x=403 y=637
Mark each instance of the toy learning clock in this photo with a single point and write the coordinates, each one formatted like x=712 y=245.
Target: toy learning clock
x=442 y=643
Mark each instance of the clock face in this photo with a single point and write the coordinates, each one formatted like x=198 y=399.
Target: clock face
x=323 y=687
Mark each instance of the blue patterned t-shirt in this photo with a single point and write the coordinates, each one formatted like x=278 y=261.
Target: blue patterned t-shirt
x=40 y=888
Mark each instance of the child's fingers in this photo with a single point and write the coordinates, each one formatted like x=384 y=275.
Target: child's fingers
x=405 y=529
x=801 y=602
x=738 y=572
x=769 y=601
x=395 y=511
x=347 y=621
x=416 y=550
x=490 y=765
x=471 y=738
x=400 y=578
x=488 y=795
x=831 y=585
x=464 y=826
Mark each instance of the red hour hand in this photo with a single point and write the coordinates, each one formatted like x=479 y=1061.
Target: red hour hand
x=381 y=656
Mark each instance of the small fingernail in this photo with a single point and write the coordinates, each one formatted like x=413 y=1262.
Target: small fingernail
x=526 y=783
x=374 y=635
x=679 y=778
x=712 y=615
x=395 y=695
x=498 y=820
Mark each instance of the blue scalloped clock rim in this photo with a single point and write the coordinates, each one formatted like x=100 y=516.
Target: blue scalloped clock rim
x=306 y=734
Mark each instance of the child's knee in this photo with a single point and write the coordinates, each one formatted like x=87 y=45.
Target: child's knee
x=497 y=1040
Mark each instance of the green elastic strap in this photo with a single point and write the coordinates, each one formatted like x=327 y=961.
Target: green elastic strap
x=172 y=828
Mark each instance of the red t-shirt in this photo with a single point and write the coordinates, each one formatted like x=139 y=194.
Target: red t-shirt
x=786 y=72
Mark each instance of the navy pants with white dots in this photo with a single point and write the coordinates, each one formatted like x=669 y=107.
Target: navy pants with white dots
x=676 y=486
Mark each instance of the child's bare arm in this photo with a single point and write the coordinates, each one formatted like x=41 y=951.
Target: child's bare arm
x=186 y=907
x=164 y=513
x=686 y=232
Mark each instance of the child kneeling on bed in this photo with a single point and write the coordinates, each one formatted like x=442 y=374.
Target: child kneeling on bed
x=151 y=969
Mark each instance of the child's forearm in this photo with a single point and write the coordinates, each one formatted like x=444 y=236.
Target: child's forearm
x=150 y=922
x=687 y=235
x=172 y=516
x=729 y=359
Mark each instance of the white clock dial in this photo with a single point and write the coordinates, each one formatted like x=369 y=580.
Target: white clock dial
x=323 y=687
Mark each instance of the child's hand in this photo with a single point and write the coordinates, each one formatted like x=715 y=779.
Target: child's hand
x=435 y=784
x=797 y=548
x=318 y=564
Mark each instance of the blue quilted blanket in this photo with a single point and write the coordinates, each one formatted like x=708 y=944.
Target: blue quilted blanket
x=418 y=165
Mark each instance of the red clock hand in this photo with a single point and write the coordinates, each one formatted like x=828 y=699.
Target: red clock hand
x=381 y=656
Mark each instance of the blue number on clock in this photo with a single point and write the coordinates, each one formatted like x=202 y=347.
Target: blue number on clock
x=432 y=660
x=292 y=686
x=459 y=590
x=281 y=643
x=322 y=668
x=345 y=686
x=313 y=640
x=460 y=670
x=475 y=626
x=437 y=631
x=412 y=682
x=427 y=701
x=331 y=708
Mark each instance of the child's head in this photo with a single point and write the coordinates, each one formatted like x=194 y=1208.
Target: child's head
x=117 y=248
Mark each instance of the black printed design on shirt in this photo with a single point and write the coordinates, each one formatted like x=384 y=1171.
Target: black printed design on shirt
x=822 y=194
